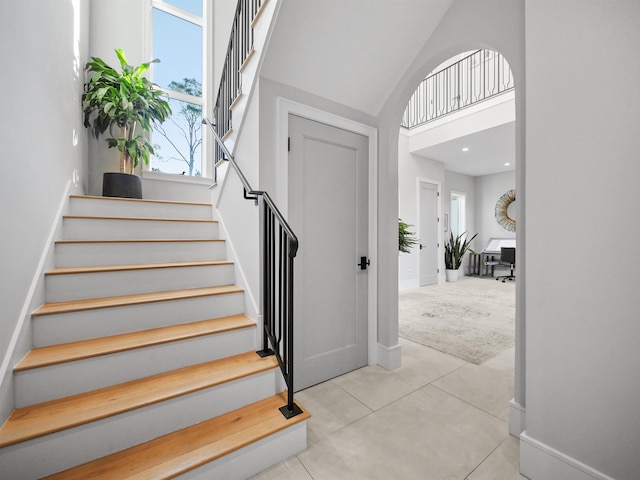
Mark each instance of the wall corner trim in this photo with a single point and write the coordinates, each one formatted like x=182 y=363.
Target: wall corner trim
x=540 y=461
x=389 y=357
x=517 y=418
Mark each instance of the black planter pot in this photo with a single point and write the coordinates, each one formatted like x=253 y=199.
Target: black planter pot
x=121 y=185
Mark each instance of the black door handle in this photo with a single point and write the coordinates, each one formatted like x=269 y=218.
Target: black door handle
x=364 y=262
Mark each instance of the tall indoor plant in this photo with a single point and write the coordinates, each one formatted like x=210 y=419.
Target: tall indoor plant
x=454 y=250
x=129 y=102
x=406 y=240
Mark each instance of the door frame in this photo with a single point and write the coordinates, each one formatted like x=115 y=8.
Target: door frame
x=439 y=224
x=285 y=107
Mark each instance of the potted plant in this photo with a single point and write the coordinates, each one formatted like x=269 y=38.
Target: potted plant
x=129 y=102
x=454 y=250
x=405 y=237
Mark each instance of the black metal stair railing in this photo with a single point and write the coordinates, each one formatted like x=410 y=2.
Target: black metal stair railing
x=240 y=46
x=477 y=77
x=280 y=246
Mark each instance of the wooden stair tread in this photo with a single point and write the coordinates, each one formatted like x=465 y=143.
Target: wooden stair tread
x=245 y=63
x=141 y=266
x=139 y=240
x=144 y=219
x=94 y=347
x=42 y=419
x=183 y=450
x=141 y=200
x=227 y=134
x=140 y=298
x=258 y=14
x=236 y=100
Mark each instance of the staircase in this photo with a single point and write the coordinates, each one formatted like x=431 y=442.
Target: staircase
x=143 y=363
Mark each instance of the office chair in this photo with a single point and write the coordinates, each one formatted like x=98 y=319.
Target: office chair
x=507 y=257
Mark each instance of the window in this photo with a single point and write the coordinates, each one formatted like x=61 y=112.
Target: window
x=178 y=30
x=458 y=215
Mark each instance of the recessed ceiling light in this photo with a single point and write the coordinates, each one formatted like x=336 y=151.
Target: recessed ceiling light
x=465 y=149
x=507 y=164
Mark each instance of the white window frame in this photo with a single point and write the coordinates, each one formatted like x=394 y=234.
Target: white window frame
x=462 y=212
x=206 y=101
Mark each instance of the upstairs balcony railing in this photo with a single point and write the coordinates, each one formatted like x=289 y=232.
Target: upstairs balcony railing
x=475 y=78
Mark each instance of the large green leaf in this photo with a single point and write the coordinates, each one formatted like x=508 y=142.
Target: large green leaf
x=455 y=248
x=122 y=99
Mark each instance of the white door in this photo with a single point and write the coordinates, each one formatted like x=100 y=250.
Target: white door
x=428 y=233
x=328 y=210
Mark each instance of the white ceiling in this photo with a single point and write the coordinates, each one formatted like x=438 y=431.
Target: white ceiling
x=488 y=151
x=316 y=42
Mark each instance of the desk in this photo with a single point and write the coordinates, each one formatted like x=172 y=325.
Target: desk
x=479 y=260
x=489 y=254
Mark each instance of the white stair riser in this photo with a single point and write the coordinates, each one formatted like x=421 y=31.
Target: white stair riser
x=80 y=286
x=57 y=381
x=103 y=229
x=73 y=326
x=254 y=458
x=132 y=208
x=123 y=253
x=61 y=450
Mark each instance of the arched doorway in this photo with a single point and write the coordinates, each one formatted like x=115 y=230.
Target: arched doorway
x=458 y=135
x=463 y=32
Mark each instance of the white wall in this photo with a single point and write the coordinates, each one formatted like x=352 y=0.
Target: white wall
x=582 y=177
x=410 y=168
x=114 y=24
x=223 y=13
x=489 y=189
x=240 y=217
x=44 y=47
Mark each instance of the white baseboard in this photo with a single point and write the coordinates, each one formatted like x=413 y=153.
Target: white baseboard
x=407 y=284
x=34 y=298
x=517 y=418
x=389 y=357
x=539 y=461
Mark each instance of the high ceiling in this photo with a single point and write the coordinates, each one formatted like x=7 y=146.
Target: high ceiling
x=314 y=44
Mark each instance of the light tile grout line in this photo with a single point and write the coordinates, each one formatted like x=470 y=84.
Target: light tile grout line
x=485 y=458
x=355 y=421
x=471 y=404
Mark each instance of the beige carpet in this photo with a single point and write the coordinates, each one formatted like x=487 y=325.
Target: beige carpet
x=472 y=319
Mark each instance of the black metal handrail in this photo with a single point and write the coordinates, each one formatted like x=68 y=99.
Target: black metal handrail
x=240 y=45
x=475 y=78
x=280 y=246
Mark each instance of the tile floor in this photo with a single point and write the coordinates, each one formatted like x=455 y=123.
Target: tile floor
x=434 y=418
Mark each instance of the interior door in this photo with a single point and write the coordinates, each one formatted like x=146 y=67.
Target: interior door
x=328 y=210
x=428 y=233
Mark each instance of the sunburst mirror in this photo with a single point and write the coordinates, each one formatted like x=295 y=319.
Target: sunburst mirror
x=502 y=207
